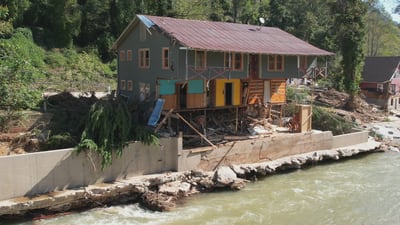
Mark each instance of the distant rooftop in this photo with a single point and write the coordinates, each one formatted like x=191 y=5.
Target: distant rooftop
x=379 y=69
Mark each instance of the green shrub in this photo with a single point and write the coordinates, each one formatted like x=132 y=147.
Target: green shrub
x=325 y=120
x=59 y=141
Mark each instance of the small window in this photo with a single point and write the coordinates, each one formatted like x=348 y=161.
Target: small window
x=129 y=55
x=144 y=58
x=122 y=55
x=236 y=61
x=275 y=63
x=122 y=85
x=144 y=91
x=165 y=58
x=129 y=86
x=200 y=60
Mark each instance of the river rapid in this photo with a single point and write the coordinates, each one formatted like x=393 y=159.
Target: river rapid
x=362 y=190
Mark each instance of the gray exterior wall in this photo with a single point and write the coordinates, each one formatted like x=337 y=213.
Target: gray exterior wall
x=129 y=70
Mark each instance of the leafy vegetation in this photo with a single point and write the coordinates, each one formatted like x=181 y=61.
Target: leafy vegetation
x=325 y=120
x=349 y=20
x=109 y=128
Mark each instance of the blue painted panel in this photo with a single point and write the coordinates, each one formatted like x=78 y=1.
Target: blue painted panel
x=195 y=86
x=155 y=115
x=167 y=87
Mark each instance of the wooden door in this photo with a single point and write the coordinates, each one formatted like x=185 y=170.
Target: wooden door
x=254 y=66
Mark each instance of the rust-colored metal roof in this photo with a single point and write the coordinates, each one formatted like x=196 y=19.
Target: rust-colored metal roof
x=233 y=37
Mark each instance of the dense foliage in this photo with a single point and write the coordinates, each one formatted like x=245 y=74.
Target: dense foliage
x=108 y=129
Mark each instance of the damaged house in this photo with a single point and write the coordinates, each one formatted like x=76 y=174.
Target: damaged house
x=380 y=81
x=194 y=67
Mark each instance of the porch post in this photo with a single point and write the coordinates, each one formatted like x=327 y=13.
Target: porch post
x=187 y=65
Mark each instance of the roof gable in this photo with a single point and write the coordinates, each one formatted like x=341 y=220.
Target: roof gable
x=227 y=37
x=380 y=69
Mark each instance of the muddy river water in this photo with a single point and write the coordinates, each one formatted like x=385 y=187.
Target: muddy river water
x=362 y=190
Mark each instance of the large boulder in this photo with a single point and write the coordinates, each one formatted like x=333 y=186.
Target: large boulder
x=224 y=177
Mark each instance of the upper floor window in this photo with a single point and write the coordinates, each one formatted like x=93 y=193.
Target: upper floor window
x=275 y=63
x=129 y=55
x=144 y=58
x=122 y=55
x=165 y=58
x=200 y=60
x=234 y=61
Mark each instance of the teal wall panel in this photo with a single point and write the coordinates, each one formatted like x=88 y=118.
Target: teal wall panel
x=195 y=86
x=167 y=87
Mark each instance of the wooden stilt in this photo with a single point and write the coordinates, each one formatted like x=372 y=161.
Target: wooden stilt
x=163 y=120
x=195 y=130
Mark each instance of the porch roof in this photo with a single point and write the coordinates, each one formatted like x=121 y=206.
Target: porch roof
x=229 y=37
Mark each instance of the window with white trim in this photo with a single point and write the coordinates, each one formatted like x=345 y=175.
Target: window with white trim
x=275 y=63
x=122 y=55
x=122 y=85
x=165 y=58
x=129 y=55
x=236 y=59
x=129 y=86
x=144 y=58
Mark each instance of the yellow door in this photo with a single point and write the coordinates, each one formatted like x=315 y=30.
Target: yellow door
x=227 y=92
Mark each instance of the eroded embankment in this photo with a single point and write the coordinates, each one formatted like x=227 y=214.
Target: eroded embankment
x=162 y=192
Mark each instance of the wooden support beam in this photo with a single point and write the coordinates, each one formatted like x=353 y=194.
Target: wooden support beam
x=195 y=130
x=163 y=120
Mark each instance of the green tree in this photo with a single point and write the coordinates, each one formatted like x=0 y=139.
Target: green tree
x=309 y=20
x=65 y=21
x=6 y=26
x=17 y=9
x=350 y=27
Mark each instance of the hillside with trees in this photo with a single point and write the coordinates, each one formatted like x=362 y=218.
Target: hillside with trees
x=62 y=45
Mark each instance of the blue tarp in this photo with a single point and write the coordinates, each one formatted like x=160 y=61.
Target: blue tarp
x=155 y=115
x=146 y=21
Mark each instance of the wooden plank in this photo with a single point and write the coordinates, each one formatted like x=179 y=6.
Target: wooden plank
x=170 y=101
x=163 y=120
x=196 y=101
x=201 y=149
x=195 y=130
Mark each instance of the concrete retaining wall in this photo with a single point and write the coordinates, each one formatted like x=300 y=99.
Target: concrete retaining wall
x=35 y=173
x=256 y=150
x=349 y=139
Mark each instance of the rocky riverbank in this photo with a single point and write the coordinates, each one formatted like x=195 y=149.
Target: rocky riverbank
x=161 y=192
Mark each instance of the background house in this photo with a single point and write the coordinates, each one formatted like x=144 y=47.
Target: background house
x=203 y=65
x=381 y=81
